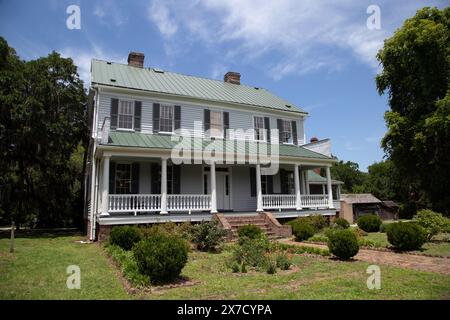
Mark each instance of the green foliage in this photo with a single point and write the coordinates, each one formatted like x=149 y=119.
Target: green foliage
x=251 y=252
x=271 y=265
x=127 y=264
x=406 y=236
x=249 y=231
x=415 y=76
x=235 y=267
x=370 y=223
x=125 y=236
x=295 y=249
x=43 y=138
x=208 y=235
x=347 y=172
x=384 y=227
x=318 y=221
x=319 y=237
x=384 y=182
x=161 y=256
x=184 y=230
x=302 y=230
x=343 y=243
x=433 y=222
x=341 y=222
x=283 y=262
x=407 y=210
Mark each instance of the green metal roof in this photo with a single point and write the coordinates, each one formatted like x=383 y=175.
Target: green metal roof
x=124 y=76
x=314 y=177
x=157 y=141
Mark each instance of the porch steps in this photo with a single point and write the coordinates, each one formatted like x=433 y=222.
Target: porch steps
x=265 y=221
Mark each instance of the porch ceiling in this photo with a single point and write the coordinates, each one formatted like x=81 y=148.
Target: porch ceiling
x=157 y=141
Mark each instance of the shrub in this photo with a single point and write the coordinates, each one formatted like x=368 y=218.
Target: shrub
x=126 y=262
x=384 y=227
x=341 y=222
x=251 y=252
x=343 y=243
x=317 y=221
x=433 y=222
x=125 y=236
x=283 y=261
x=249 y=231
x=406 y=236
x=235 y=267
x=302 y=230
x=370 y=223
x=208 y=235
x=184 y=229
x=161 y=256
x=318 y=238
x=271 y=265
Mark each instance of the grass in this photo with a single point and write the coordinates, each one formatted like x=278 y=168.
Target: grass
x=37 y=270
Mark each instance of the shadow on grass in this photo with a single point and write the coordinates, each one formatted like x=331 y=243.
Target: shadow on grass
x=41 y=233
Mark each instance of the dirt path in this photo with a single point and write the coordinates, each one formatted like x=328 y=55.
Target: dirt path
x=404 y=260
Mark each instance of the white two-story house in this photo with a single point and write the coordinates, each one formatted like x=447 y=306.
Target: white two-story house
x=172 y=147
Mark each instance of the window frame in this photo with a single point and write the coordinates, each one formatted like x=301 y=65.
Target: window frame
x=165 y=105
x=264 y=129
x=211 y=130
x=116 y=177
x=131 y=102
x=283 y=121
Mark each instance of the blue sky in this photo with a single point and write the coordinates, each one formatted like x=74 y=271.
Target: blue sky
x=319 y=55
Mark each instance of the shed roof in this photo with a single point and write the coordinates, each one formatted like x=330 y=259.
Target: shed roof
x=359 y=198
x=154 y=80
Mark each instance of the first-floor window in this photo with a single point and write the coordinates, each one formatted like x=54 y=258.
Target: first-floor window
x=125 y=115
x=290 y=183
x=166 y=118
x=259 y=128
x=123 y=178
x=286 y=131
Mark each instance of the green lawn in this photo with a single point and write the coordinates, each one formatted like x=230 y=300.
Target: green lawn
x=37 y=270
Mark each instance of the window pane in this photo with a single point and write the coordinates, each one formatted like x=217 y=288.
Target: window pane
x=166 y=118
x=123 y=178
x=125 y=115
x=286 y=134
x=259 y=128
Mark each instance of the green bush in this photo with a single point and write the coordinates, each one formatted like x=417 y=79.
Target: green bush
x=433 y=222
x=370 y=223
x=249 y=231
x=406 y=236
x=126 y=262
x=283 y=261
x=343 y=243
x=125 y=236
x=271 y=265
x=235 y=267
x=341 y=222
x=318 y=238
x=251 y=252
x=208 y=235
x=384 y=227
x=161 y=256
x=184 y=229
x=318 y=221
x=302 y=230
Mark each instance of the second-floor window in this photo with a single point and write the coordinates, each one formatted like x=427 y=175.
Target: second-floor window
x=125 y=115
x=166 y=118
x=216 y=129
x=286 y=132
x=260 y=130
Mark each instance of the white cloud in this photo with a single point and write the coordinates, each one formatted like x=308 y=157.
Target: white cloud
x=303 y=36
x=349 y=146
x=83 y=57
x=110 y=14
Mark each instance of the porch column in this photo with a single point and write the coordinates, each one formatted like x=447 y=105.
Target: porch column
x=259 y=202
x=298 y=199
x=105 y=186
x=212 y=172
x=330 y=191
x=163 y=186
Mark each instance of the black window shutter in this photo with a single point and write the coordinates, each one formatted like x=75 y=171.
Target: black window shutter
x=267 y=127
x=176 y=172
x=137 y=115
x=226 y=124
x=283 y=181
x=252 y=181
x=114 y=112
x=177 y=117
x=206 y=120
x=294 y=132
x=279 y=127
x=135 y=178
x=156 y=178
x=155 y=117
x=112 y=177
x=269 y=184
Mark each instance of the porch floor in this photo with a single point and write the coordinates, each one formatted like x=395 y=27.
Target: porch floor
x=125 y=218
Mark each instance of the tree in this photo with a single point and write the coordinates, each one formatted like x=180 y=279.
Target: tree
x=42 y=124
x=416 y=77
x=384 y=182
x=347 y=172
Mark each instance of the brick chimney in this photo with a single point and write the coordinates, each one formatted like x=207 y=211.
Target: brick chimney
x=313 y=140
x=232 y=77
x=136 y=59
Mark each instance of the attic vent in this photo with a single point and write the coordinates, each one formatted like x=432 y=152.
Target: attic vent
x=108 y=62
x=288 y=106
x=113 y=80
x=158 y=70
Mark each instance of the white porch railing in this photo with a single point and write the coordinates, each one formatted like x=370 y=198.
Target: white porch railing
x=278 y=201
x=134 y=202
x=188 y=202
x=314 y=201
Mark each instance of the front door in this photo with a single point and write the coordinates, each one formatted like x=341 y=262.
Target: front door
x=223 y=190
